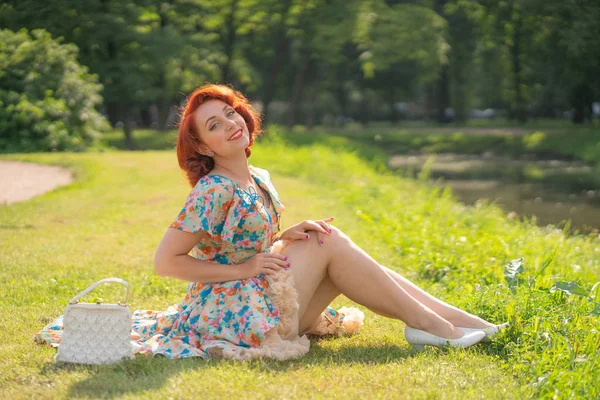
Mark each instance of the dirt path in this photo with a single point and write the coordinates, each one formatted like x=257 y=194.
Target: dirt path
x=20 y=181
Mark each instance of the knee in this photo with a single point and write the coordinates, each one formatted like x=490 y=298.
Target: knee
x=333 y=240
x=337 y=237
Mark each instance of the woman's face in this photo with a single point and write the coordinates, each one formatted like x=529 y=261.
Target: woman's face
x=221 y=129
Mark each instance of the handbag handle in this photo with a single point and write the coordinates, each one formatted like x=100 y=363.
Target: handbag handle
x=75 y=299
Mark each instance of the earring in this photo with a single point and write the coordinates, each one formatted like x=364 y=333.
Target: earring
x=210 y=153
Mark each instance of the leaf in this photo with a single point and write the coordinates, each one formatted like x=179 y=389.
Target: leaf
x=596 y=311
x=595 y=290
x=569 y=287
x=511 y=272
x=547 y=263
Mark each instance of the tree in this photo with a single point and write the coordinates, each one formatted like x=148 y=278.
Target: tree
x=405 y=33
x=47 y=100
x=462 y=38
x=571 y=44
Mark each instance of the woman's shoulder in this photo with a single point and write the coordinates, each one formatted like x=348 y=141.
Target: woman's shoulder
x=215 y=184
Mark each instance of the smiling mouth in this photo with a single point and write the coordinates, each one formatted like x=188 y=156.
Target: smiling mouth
x=236 y=135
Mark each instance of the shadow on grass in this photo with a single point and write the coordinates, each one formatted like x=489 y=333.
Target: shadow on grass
x=146 y=374
x=17 y=227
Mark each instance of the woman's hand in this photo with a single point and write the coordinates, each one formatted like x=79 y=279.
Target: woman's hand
x=298 y=231
x=262 y=263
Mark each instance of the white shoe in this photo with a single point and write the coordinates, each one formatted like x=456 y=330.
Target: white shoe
x=419 y=338
x=489 y=332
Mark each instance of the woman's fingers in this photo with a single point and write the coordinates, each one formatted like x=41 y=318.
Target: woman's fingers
x=274 y=266
x=277 y=259
x=276 y=256
x=315 y=226
x=325 y=226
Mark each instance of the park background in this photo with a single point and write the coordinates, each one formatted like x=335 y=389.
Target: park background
x=447 y=137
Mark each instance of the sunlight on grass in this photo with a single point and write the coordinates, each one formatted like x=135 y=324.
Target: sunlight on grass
x=109 y=223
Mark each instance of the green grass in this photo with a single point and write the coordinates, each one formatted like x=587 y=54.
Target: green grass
x=110 y=221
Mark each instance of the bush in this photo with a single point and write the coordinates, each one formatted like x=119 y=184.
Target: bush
x=47 y=99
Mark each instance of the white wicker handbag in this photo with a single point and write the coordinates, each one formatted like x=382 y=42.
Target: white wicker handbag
x=96 y=333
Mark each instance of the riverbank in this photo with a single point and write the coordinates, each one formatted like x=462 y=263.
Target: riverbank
x=548 y=171
x=111 y=219
x=544 y=141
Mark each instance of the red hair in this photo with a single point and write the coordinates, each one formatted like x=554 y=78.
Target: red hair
x=194 y=164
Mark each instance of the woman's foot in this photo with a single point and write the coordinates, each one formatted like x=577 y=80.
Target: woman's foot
x=490 y=332
x=470 y=321
x=419 y=338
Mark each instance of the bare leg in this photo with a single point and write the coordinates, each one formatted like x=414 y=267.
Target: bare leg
x=453 y=314
x=360 y=278
x=324 y=295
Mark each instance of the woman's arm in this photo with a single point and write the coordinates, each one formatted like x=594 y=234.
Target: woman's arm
x=172 y=260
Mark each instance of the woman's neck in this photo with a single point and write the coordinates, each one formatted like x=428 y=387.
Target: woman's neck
x=235 y=168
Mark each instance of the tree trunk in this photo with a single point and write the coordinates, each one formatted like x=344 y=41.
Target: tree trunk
x=298 y=88
x=442 y=93
x=364 y=110
x=581 y=100
x=442 y=98
x=520 y=109
x=342 y=98
x=112 y=111
x=164 y=107
x=229 y=42
x=146 y=116
x=128 y=131
x=391 y=99
x=281 y=47
x=311 y=117
x=271 y=81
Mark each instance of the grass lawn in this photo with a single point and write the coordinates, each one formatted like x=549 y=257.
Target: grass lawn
x=110 y=221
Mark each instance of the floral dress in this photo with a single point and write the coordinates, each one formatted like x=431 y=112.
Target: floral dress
x=215 y=315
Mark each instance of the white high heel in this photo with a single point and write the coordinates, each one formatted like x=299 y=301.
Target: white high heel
x=489 y=332
x=419 y=338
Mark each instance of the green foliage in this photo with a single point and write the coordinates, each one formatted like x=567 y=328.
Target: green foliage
x=380 y=28
x=47 y=100
x=512 y=271
x=569 y=287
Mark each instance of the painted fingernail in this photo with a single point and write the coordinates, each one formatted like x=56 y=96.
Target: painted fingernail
x=307 y=235
x=288 y=264
x=320 y=241
x=285 y=258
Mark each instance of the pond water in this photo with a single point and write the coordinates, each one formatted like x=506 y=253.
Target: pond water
x=551 y=190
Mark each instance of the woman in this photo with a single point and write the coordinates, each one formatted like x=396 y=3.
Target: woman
x=217 y=130
x=230 y=222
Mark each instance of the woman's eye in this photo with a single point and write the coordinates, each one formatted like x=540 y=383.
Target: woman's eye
x=228 y=114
